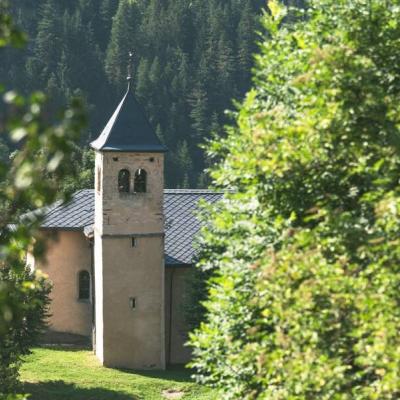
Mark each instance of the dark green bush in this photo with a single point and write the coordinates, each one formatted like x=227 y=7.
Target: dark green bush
x=29 y=294
x=304 y=301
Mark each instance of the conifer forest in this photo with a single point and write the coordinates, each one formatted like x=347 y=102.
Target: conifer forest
x=192 y=59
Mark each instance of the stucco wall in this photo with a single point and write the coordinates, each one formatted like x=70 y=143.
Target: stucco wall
x=176 y=328
x=68 y=253
x=133 y=338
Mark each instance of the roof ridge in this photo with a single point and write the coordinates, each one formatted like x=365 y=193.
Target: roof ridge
x=82 y=190
x=189 y=191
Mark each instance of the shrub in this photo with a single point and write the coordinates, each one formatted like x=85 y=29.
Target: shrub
x=304 y=300
x=29 y=294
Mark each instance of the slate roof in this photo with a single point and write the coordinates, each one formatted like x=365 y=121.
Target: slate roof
x=181 y=223
x=129 y=129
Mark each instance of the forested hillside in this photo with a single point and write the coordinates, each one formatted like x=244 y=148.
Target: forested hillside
x=192 y=58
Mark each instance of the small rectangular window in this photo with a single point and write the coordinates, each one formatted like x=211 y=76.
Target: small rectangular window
x=134 y=242
x=98 y=178
x=132 y=303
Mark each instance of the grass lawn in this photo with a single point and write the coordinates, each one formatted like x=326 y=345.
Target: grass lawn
x=77 y=375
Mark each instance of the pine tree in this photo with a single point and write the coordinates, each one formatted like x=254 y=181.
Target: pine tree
x=107 y=11
x=226 y=68
x=184 y=163
x=199 y=113
x=143 y=84
x=122 y=41
x=48 y=43
x=245 y=45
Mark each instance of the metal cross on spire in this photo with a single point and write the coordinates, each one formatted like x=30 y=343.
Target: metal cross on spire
x=130 y=66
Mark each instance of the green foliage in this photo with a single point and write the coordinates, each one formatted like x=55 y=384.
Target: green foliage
x=30 y=179
x=9 y=34
x=303 y=302
x=82 y=177
x=25 y=295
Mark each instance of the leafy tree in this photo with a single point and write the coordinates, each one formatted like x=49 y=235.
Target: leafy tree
x=26 y=297
x=29 y=180
x=4 y=151
x=83 y=171
x=303 y=299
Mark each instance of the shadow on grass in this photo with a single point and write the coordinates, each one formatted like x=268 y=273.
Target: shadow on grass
x=64 y=347
x=176 y=373
x=59 y=390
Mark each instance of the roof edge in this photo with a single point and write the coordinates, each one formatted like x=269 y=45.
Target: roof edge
x=161 y=149
x=64 y=228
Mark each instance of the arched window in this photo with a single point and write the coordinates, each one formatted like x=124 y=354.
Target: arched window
x=123 y=181
x=140 y=181
x=84 y=285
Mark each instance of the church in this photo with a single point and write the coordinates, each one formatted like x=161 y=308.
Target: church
x=118 y=255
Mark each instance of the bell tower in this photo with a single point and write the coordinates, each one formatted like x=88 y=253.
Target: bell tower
x=129 y=241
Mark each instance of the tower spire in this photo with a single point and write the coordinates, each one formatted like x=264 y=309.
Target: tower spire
x=129 y=129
